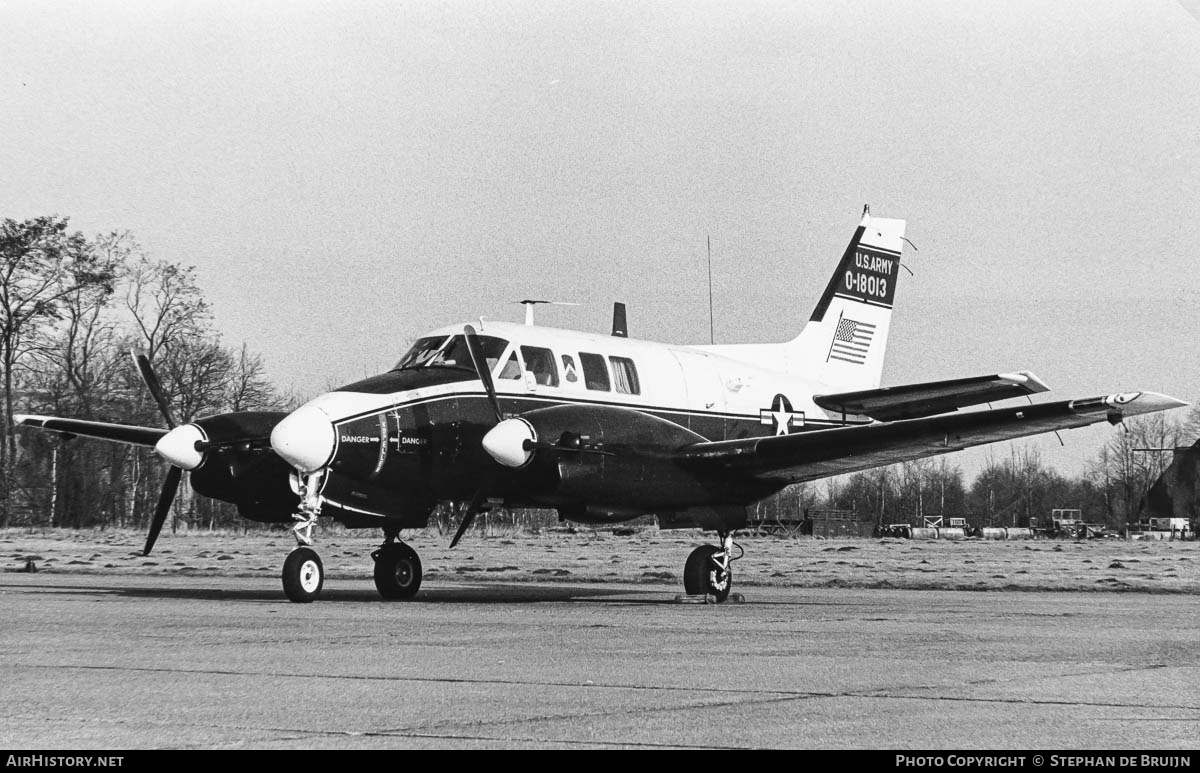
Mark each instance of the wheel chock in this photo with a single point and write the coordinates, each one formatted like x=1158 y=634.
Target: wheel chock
x=708 y=598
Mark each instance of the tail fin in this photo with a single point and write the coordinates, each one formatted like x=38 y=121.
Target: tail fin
x=843 y=344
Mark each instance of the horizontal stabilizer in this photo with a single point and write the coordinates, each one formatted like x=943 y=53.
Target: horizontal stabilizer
x=121 y=433
x=912 y=401
x=805 y=456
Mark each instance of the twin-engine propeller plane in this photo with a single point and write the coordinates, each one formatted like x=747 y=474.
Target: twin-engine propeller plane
x=603 y=428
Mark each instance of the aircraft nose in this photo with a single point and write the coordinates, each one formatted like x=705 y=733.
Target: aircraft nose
x=305 y=438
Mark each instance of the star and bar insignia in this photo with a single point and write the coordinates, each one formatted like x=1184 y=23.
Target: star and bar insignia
x=781 y=416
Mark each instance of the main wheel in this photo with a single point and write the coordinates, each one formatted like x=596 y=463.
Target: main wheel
x=702 y=574
x=397 y=571
x=303 y=575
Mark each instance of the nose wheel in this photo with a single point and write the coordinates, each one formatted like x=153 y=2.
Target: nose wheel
x=303 y=575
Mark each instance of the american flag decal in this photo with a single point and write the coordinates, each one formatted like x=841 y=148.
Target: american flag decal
x=851 y=341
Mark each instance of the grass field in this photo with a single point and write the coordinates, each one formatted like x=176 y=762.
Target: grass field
x=647 y=556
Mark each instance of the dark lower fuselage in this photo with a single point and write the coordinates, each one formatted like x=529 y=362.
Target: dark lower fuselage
x=408 y=449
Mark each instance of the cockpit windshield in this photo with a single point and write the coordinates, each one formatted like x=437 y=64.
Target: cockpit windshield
x=450 y=352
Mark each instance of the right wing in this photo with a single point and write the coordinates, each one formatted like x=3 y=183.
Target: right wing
x=805 y=456
x=120 y=433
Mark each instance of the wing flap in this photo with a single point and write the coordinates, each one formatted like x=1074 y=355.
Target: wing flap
x=912 y=401
x=821 y=453
x=121 y=433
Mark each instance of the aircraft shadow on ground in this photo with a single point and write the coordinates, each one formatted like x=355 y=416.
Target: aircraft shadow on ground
x=458 y=594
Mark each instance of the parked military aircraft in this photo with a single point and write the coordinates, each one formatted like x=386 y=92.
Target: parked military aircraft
x=603 y=428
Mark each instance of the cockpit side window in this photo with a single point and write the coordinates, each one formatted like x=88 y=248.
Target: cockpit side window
x=540 y=362
x=625 y=376
x=421 y=352
x=595 y=371
x=512 y=368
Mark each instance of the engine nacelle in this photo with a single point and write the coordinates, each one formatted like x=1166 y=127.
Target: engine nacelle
x=607 y=462
x=246 y=472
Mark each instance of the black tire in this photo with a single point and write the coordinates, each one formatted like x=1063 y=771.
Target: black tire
x=702 y=574
x=303 y=575
x=397 y=571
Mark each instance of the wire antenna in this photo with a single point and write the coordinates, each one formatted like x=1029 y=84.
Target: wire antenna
x=711 y=336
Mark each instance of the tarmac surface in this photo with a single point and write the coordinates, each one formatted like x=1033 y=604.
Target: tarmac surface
x=112 y=662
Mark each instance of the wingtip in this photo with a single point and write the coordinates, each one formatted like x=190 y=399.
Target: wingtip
x=1026 y=379
x=1143 y=402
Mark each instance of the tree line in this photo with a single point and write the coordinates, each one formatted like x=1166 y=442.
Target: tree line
x=1013 y=486
x=72 y=308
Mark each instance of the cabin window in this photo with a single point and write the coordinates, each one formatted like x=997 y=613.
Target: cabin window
x=540 y=362
x=569 y=369
x=595 y=372
x=625 y=377
x=512 y=368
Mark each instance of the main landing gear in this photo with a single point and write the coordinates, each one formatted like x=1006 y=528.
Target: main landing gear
x=709 y=569
x=397 y=569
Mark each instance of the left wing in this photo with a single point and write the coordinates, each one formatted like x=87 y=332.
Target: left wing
x=821 y=453
x=120 y=433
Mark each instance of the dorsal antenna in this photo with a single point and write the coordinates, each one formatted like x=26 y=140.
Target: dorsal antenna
x=530 y=303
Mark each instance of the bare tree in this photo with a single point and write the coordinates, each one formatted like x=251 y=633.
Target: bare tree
x=41 y=264
x=166 y=304
x=248 y=387
x=1134 y=459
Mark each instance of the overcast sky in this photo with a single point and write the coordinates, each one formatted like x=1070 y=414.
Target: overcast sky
x=345 y=175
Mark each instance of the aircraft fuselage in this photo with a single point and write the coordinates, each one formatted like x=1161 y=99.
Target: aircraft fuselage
x=404 y=440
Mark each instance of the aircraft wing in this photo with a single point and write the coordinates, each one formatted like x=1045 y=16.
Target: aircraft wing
x=121 y=433
x=912 y=401
x=818 y=454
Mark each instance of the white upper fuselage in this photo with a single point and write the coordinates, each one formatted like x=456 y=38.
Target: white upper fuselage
x=669 y=378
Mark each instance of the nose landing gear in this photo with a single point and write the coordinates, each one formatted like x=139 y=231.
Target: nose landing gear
x=303 y=573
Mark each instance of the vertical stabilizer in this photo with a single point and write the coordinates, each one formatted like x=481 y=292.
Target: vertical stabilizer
x=843 y=344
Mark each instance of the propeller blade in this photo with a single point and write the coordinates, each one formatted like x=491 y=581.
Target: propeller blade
x=482 y=370
x=472 y=510
x=152 y=383
x=165 y=498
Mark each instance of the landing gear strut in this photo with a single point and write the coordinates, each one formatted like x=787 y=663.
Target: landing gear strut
x=303 y=573
x=397 y=569
x=709 y=570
